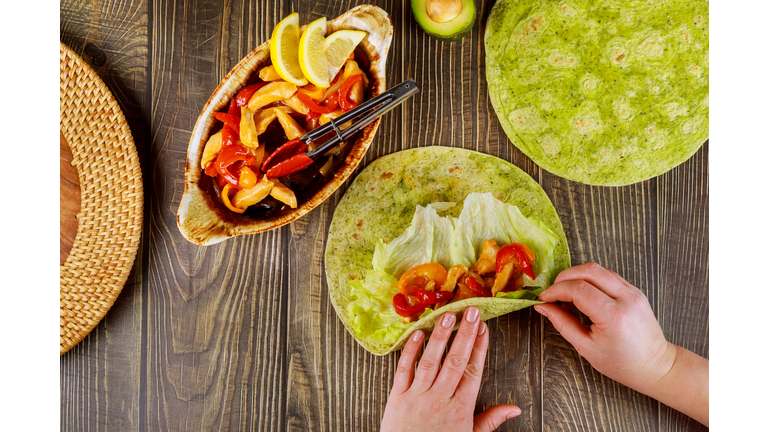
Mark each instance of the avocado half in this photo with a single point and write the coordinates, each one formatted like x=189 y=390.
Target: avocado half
x=446 y=20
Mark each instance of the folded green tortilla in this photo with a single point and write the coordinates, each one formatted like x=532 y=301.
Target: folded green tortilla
x=406 y=209
x=602 y=92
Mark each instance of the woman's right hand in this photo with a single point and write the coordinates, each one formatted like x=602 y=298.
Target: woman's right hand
x=625 y=341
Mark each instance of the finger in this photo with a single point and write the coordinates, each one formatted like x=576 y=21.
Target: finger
x=621 y=279
x=492 y=418
x=567 y=325
x=456 y=361
x=404 y=374
x=430 y=360
x=587 y=298
x=631 y=287
x=469 y=385
x=567 y=306
x=601 y=278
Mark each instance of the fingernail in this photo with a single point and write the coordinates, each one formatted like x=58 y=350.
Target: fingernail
x=448 y=320
x=541 y=310
x=416 y=336
x=472 y=314
x=482 y=329
x=513 y=413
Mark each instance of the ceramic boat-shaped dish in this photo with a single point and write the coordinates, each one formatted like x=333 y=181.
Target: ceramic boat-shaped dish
x=200 y=219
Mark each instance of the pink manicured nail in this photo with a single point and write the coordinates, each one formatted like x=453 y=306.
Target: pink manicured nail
x=448 y=320
x=416 y=336
x=472 y=314
x=483 y=326
x=541 y=310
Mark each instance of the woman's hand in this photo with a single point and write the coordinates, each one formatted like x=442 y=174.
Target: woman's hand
x=625 y=341
x=443 y=397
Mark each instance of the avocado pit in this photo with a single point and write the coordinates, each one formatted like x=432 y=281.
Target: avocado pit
x=445 y=20
x=443 y=10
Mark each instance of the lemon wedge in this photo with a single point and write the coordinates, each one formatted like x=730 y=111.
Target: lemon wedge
x=338 y=46
x=284 y=52
x=312 y=58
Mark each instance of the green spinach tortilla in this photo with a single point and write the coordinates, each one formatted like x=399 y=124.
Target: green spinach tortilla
x=376 y=214
x=607 y=92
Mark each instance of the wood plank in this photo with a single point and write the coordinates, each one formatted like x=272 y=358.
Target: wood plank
x=514 y=360
x=466 y=93
x=216 y=315
x=101 y=376
x=333 y=383
x=454 y=109
x=683 y=204
x=615 y=227
x=215 y=357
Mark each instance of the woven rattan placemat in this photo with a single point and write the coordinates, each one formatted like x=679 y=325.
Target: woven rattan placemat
x=112 y=199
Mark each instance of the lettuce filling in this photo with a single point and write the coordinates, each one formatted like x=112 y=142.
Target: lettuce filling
x=448 y=241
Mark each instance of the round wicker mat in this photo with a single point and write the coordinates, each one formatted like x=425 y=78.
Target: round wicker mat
x=112 y=199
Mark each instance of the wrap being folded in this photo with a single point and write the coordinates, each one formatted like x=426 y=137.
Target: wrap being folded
x=433 y=205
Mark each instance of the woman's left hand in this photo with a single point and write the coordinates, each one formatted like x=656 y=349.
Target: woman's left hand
x=443 y=397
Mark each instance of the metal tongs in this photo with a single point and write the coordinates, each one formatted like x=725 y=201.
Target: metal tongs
x=293 y=157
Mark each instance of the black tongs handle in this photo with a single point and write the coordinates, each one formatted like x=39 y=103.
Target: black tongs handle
x=374 y=109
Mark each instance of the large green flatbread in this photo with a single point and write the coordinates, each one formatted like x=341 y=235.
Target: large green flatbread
x=605 y=92
x=380 y=205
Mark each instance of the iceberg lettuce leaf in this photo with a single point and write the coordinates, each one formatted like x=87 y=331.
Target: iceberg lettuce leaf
x=371 y=311
x=425 y=241
x=448 y=241
x=485 y=217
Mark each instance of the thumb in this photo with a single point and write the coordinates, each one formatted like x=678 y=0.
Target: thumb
x=490 y=419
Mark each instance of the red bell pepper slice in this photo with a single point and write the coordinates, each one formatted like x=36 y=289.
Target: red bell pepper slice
x=344 y=101
x=284 y=152
x=477 y=289
x=243 y=97
x=210 y=170
x=516 y=253
x=306 y=100
x=311 y=115
x=289 y=166
x=227 y=156
x=228 y=137
x=228 y=176
x=332 y=101
x=221 y=181
x=433 y=297
x=229 y=120
x=402 y=308
x=252 y=162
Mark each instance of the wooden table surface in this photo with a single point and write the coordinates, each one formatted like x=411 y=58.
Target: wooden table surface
x=242 y=335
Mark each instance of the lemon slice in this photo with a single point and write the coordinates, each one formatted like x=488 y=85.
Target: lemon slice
x=338 y=46
x=284 y=50
x=312 y=58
